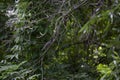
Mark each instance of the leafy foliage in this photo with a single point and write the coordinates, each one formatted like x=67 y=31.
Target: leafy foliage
x=60 y=40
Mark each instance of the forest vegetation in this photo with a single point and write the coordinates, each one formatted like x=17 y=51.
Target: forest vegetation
x=59 y=39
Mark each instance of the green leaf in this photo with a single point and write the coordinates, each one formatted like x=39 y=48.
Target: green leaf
x=104 y=69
